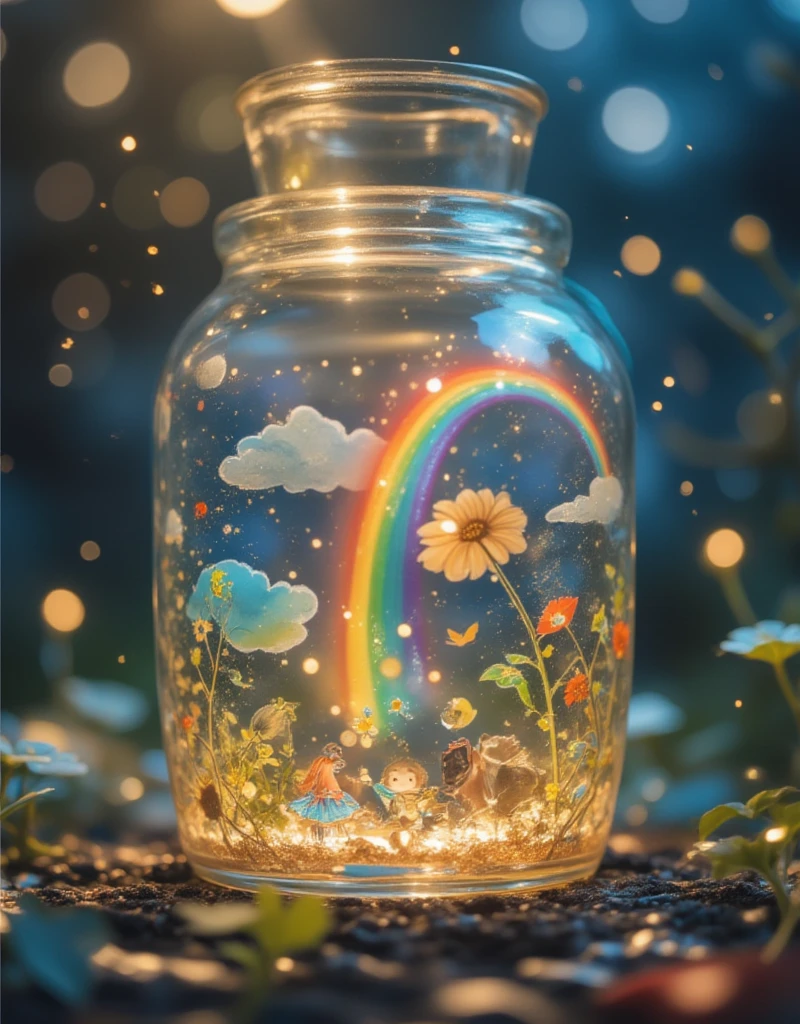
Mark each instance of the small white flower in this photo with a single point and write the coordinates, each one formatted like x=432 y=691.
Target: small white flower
x=771 y=641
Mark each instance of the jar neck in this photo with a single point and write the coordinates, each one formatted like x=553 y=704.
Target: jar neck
x=390 y=123
x=366 y=226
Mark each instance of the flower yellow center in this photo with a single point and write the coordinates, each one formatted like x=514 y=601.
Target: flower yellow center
x=475 y=529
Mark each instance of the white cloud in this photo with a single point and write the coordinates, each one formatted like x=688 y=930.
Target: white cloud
x=601 y=505
x=308 y=452
x=173 y=528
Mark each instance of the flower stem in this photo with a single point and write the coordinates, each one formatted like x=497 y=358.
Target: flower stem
x=786 y=689
x=531 y=630
x=734 y=593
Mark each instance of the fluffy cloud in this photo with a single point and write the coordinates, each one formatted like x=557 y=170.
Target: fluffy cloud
x=256 y=615
x=308 y=452
x=600 y=505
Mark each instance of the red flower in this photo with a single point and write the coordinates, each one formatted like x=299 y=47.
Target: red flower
x=200 y=510
x=576 y=690
x=187 y=722
x=620 y=638
x=557 y=615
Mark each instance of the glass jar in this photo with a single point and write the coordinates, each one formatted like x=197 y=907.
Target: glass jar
x=394 y=505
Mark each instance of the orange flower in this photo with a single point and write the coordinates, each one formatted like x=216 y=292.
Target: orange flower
x=557 y=615
x=187 y=722
x=576 y=690
x=200 y=510
x=620 y=638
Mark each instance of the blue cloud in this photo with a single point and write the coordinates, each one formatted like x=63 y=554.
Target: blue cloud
x=255 y=614
x=307 y=452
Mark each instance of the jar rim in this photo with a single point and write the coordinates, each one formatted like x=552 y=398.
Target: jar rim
x=309 y=80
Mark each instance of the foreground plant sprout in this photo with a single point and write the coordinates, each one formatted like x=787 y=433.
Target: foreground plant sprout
x=275 y=929
x=770 y=853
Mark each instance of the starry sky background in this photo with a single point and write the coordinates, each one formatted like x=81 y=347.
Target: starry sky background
x=77 y=458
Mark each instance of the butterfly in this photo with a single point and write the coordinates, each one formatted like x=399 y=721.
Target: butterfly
x=462 y=639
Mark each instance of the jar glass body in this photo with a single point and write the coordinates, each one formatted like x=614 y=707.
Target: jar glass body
x=394 y=550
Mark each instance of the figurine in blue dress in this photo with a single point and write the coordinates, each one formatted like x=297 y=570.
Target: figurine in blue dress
x=322 y=799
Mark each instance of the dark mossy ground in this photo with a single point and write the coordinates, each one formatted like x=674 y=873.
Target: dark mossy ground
x=568 y=954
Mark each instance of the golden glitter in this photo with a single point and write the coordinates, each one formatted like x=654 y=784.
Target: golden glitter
x=128 y=143
x=455 y=51
x=311 y=666
x=152 y=250
x=335 y=710
x=404 y=630
x=316 y=543
x=658 y=406
x=434 y=676
x=669 y=382
x=157 y=289
x=687 y=488
x=356 y=371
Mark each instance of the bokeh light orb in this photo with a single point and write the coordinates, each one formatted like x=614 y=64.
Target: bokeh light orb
x=60 y=375
x=206 y=117
x=184 y=202
x=750 y=235
x=63 y=611
x=250 y=8
x=640 y=255
x=90 y=551
x=635 y=119
x=97 y=74
x=81 y=302
x=554 y=24
x=724 y=549
x=661 y=12
x=64 y=191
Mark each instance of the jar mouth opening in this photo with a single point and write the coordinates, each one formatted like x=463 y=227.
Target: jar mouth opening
x=324 y=79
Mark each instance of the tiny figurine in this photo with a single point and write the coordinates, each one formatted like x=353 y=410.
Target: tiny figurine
x=403 y=792
x=322 y=800
x=497 y=773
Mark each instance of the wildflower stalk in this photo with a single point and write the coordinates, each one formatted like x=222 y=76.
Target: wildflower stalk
x=548 y=693
x=588 y=672
x=786 y=689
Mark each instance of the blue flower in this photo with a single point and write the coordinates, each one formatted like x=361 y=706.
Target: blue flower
x=254 y=614
x=42 y=758
x=769 y=641
x=579 y=792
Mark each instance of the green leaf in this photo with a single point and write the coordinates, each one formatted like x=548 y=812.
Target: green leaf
x=305 y=924
x=511 y=678
x=26 y=799
x=494 y=672
x=525 y=695
x=717 y=816
x=219 y=918
x=729 y=856
x=763 y=802
x=55 y=946
x=518 y=659
x=243 y=954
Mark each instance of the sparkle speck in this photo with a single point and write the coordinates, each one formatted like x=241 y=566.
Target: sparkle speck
x=357 y=371
x=455 y=51
x=658 y=406
x=316 y=543
x=158 y=289
x=404 y=630
x=128 y=143
x=434 y=676
x=433 y=385
x=311 y=666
